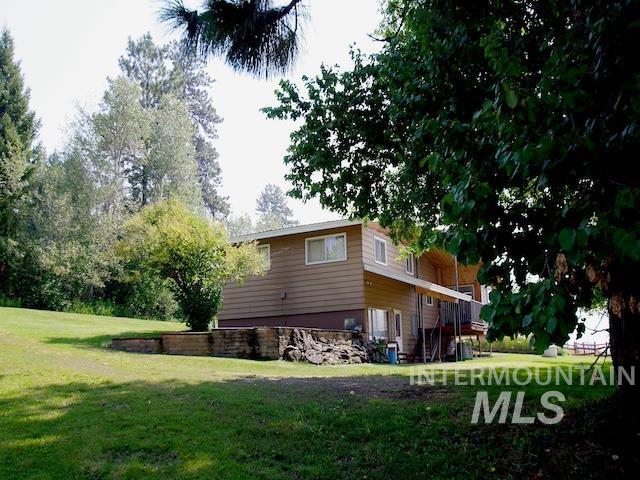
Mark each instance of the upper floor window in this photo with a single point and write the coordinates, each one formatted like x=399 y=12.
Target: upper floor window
x=381 y=250
x=411 y=263
x=325 y=249
x=265 y=253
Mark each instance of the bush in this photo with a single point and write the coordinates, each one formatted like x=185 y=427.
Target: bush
x=10 y=302
x=509 y=345
x=169 y=242
x=152 y=297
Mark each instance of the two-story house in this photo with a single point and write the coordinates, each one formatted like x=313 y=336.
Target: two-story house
x=349 y=274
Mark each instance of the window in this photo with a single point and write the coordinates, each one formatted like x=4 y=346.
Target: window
x=381 y=250
x=398 y=323
x=378 y=324
x=429 y=301
x=350 y=323
x=325 y=249
x=265 y=253
x=411 y=262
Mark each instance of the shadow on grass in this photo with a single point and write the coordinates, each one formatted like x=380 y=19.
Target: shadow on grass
x=282 y=428
x=100 y=340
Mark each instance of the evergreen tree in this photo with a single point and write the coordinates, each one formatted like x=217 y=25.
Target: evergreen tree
x=273 y=209
x=252 y=35
x=18 y=127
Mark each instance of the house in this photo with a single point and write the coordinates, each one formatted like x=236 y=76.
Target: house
x=348 y=274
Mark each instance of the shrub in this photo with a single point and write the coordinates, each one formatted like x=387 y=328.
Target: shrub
x=10 y=302
x=170 y=242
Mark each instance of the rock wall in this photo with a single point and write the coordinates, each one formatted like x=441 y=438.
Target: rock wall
x=138 y=345
x=311 y=345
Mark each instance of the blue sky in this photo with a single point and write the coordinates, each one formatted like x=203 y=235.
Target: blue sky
x=69 y=47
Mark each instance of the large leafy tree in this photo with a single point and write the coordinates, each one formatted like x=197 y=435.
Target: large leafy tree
x=255 y=36
x=169 y=70
x=169 y=241
x=504 y=132
x=18 y=128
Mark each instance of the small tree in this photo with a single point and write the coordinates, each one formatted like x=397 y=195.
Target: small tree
x=170 y=241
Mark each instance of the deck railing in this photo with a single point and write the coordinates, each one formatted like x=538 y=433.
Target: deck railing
x=469 y=312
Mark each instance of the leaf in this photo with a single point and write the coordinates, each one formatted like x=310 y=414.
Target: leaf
x=567 y=238
x=526 y=321
x=511 y=98
x=551 y=324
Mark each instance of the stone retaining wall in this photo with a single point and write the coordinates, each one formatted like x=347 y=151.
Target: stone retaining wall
x=186 y=343
x=264 y=343
x=139 y=345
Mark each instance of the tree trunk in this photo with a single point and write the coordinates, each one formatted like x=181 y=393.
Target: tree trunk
x=623 y=415
x=145 y=184
x=624 y=333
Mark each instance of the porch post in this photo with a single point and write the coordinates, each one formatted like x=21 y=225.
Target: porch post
x=458 y=335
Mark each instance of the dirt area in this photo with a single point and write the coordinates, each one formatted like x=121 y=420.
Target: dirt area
x=374 y=386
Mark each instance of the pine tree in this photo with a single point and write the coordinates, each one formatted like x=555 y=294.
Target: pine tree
x=18 y=127
x=273 y=209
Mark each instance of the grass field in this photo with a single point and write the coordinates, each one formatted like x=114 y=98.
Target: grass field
x=71 y=408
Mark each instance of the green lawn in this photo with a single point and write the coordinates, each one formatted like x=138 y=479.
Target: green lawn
x=71 y=408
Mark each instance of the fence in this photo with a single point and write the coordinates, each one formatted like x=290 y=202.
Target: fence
x=586 y=348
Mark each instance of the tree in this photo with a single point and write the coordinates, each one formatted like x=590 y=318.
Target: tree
x=273 y=210
x=115 y=140
x=171 y=160
x=502 y=133
x=168 y=70
x=169 y=240
x=18 y=127
x=239 y=225
x=210 y=178
x=252 y=35
x=66 y=245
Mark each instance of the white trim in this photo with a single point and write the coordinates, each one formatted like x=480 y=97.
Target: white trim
x=418 y=282
x=429 y=300
x=375 y=250
x=282 y=232
x=398 y=334
x=306 y=248
x=268 y=247
x=411 y=257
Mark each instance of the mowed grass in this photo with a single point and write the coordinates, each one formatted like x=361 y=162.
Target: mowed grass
x=71 y=408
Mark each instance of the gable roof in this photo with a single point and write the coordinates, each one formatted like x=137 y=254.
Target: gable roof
x=282 y=232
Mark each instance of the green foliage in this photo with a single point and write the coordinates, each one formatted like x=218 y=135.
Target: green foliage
x=168 y=70
x=273 y=210
x=253 y=36
x=505 y=133
x=168 y=240
x=61 y=217
x=149 y=296
x=10 y=302
x=18 y=128
x=239 y=225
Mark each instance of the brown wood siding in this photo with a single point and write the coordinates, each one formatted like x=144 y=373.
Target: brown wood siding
x=394 y=262
x=390 y=295
x=467 y=275
x=325 y=287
